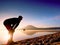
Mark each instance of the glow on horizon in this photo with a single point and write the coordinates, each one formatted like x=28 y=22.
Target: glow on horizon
x=24 y=23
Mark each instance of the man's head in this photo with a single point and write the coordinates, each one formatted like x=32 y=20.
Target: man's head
x=20 y=17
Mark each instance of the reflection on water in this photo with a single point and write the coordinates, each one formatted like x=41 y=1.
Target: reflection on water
x=31 y=32
x=21 y=35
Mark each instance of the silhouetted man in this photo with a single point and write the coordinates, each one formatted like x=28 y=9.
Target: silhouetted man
x=11 y=25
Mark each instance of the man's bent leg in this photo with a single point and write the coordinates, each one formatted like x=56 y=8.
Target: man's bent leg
x=11 y=31
x=10 y=41
x=11 y=36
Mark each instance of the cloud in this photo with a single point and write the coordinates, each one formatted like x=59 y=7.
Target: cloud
x=55 y=17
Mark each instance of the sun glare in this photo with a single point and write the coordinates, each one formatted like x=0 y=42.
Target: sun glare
x=6 y=35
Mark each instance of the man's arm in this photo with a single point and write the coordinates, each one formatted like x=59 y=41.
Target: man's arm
x=17 y=22
x=14 y=27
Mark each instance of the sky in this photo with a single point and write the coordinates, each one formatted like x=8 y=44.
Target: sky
x=35 y=12
x=39 y=13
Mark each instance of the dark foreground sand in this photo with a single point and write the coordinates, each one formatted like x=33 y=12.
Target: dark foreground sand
x=51 y=39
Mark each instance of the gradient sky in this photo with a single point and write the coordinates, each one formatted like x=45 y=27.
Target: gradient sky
x=39 y=13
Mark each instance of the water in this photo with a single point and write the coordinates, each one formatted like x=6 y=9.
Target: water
x=31 y=32
x=21 y=35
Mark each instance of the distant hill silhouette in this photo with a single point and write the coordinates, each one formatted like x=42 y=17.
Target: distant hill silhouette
x=30 y=27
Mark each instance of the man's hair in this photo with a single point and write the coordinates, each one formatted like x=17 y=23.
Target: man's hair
x=20 y=17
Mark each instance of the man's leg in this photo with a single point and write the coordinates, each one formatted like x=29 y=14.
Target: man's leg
x=11 y=31
x=11 y=36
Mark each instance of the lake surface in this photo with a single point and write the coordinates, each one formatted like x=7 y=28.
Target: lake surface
x=32 y=33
